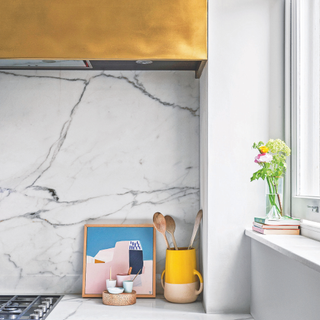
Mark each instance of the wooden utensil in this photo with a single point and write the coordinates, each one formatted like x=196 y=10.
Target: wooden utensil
x=129 y=271
x=195 y=227
x=171 y=227
x=160 y=224
x=136 y=275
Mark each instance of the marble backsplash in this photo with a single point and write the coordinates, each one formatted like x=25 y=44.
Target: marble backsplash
x=80 y=147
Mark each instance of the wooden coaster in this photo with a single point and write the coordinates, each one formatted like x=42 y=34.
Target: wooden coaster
x=122 y=299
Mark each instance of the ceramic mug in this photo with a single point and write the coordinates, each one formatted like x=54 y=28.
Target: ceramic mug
x=181 y=283
x=121 y=277
x=110 y=283
x=127 y=285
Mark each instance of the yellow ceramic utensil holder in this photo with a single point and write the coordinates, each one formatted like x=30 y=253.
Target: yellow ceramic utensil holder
x=181 y=283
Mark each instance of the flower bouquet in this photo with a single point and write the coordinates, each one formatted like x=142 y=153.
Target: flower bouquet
x=272 y=160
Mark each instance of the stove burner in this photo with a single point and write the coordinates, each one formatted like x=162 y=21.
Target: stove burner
x=12 y=310
x=10 y=316
x=27 y=307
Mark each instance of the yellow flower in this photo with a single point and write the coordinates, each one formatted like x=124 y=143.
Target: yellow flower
x=263 y=149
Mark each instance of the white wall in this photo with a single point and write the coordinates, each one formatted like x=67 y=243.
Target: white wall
x=241 y=99
x=282 y=288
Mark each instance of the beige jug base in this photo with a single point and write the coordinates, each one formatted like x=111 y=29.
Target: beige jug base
x=181 y=293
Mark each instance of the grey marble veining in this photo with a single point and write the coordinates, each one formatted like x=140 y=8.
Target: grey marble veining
x=76 y=308
x=83 y=147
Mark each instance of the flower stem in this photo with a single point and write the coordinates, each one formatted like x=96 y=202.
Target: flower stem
x=273 y=191
x=279 y=200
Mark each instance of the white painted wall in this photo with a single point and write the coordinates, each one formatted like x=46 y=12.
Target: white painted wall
x=282 y=288
x=241 y=99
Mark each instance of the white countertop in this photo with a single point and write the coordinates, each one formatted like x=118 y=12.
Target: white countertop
x=74 y=307
x=299 y=248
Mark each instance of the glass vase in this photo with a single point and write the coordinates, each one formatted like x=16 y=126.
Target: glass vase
x=274 y=196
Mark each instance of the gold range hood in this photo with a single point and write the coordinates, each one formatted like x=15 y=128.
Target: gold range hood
x=104 y=34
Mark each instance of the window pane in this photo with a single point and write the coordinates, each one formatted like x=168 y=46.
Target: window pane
x=308 y=127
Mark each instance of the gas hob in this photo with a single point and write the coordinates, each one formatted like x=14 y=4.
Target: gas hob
x=27 y=307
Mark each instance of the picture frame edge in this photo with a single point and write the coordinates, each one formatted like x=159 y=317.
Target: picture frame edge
x=144 y=225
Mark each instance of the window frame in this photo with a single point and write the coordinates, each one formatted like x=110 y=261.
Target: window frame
x=296 y=206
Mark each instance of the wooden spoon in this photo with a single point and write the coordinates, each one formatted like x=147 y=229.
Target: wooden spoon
x=136 y=275
x=129 y=271
x=160 y=224
x=171 y=227
x=195 y=227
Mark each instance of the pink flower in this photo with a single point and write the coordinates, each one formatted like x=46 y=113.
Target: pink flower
x=263 y=157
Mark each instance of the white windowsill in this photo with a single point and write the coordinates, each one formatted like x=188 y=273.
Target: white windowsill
x=310 y=229
x=299 y=248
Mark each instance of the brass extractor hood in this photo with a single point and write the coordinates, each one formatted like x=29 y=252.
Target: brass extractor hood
x=106 y=34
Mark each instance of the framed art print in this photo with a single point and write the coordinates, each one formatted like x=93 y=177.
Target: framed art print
x=114 y=249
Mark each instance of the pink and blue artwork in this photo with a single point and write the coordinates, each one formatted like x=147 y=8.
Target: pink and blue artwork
x=114 y=249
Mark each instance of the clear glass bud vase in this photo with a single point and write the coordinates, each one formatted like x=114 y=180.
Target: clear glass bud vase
x=274 y=196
